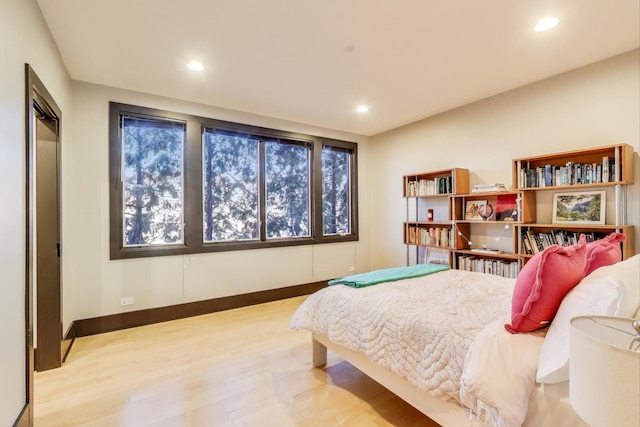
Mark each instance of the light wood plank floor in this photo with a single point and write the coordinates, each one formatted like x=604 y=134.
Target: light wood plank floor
x=241 y=367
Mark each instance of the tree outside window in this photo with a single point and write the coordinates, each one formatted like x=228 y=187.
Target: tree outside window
x=230 y=186
x=287 y=168
x=153 y=181
x=336 y=190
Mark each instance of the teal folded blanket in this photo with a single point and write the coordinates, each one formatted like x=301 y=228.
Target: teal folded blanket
x=388 y=275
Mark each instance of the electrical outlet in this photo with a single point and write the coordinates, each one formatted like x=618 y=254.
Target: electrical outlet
x=352 y=268
x=126 y=301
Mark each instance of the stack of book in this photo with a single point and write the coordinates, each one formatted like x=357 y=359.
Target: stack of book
x=485 y=188
x=486 y=251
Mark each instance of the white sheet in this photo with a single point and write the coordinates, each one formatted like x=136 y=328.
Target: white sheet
x=423 y=339
x=500 y=371
x=499 y=374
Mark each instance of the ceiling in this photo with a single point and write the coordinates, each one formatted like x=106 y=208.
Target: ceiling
x=314 y=61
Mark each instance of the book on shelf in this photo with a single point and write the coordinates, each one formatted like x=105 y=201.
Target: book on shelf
x=570 y=173
x=411 y=235
x=429 y=187
x=534 y=242
x=548 y=175
x=526 y=244
x=411 y=189
x=498 y=267
x=430 y=236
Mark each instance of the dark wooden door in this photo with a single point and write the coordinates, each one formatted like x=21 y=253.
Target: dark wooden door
x=47 y=245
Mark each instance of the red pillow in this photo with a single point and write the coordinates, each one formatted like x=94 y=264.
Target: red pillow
x=603 y=252
x=542 y=284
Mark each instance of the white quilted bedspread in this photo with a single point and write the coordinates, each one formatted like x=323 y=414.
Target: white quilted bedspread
x=419 y=328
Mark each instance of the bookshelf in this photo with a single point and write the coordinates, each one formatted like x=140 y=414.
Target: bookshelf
x=580 y=172
x=427 y=229
x=619 y=155
x=485 y=224
x=494 y=232
x=564 y=235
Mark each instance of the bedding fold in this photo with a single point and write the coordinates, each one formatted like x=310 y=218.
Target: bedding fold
x=388 y=275
x=499 y=374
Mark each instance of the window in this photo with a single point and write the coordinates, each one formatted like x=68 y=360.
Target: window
x=152 y=159
x=230 y=186
x=336 y=190
x=185 y=184
x=287 y=170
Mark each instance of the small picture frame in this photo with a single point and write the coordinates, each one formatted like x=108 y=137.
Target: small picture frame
x=474 y=209
x=583 y=207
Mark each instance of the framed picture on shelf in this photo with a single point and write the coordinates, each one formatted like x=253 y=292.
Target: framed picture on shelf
x=584 y=207
x=475 y=209
x=506 y=208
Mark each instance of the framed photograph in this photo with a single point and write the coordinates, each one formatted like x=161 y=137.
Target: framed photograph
x=584 y=207
x=475 y=209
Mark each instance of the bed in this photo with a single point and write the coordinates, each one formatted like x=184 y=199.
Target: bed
x=426 y=339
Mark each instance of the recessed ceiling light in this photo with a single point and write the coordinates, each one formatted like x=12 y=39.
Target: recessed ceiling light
x=546 y=24
x=195 y=66
x=362 y=109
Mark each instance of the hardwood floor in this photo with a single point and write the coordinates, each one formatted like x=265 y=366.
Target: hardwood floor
x=241 y=367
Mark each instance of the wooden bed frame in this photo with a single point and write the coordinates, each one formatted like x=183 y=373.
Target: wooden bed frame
x=447 y=414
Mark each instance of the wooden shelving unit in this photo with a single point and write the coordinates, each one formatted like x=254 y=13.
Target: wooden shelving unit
x=484 y=214
x=427 y=194
x=580 y=170
x=510 y=217
x=620 y=154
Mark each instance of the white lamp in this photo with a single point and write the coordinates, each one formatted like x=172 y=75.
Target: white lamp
x=604 y=371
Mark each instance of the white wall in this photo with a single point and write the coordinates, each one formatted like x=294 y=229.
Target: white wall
x=592 y=106
x=24 y=38
x=99 y=283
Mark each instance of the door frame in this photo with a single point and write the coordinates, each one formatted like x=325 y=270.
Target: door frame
x=35 y=90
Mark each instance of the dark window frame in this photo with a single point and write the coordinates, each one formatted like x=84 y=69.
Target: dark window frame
x=193 y=186
x=168 y=124
x=351 y=148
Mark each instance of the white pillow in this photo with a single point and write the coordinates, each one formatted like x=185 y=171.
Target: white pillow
x=613 y=290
